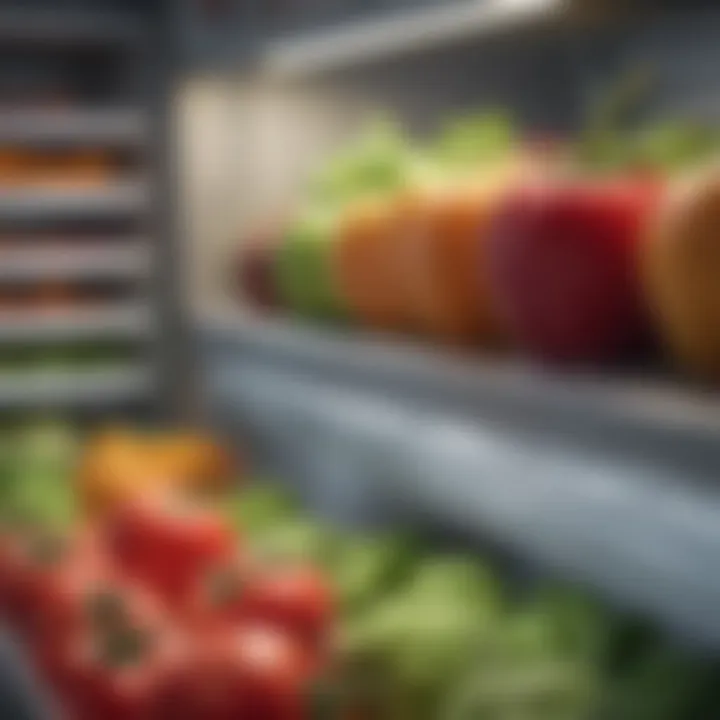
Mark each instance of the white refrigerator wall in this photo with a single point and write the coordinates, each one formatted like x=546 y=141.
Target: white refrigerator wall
x=248 y=145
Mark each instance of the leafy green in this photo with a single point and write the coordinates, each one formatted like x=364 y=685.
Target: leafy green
x=298 y=538
x=365 y=569
x=554 y=688
x=258 y=507
x=471 y=141
x=419 y=637
x=613 y=139
x=37 y=461
x=607 y=140
x=380 y=160
x=675 y=144
x=576 y=624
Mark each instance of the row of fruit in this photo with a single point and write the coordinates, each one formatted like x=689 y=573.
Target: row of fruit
x=589 y=251
x=147 y=585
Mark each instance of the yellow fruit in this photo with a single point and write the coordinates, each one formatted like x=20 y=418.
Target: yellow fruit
x=119 y=464
x=113 y=465
x=682 y=273
x=196 y=461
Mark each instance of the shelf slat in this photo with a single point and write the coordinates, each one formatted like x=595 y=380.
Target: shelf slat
x=618 y=405
x=112 y=200
x=86 y=127
x=98 y=259
x=76 y=388
x=125 y=321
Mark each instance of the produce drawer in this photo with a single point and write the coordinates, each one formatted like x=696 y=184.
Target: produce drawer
x=486 y=640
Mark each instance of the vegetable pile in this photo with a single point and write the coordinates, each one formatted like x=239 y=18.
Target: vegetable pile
x=590 y=251
x=203 y=599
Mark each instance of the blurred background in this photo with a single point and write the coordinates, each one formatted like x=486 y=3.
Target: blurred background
x=441 y=267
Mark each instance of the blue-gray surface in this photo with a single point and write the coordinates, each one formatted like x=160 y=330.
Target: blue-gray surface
x=611 y=484
x=20 y=698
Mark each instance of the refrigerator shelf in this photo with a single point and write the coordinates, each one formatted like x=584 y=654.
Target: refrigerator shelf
x=639 y=408
x=612 y=482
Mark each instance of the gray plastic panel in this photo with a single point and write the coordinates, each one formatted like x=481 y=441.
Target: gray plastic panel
x=514 y=460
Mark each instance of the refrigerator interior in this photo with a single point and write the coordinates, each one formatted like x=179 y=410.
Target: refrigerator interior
x=144 y=144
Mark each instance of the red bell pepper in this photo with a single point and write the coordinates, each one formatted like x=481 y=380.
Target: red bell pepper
x=167 y=544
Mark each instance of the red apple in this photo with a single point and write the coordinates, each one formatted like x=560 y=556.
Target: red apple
x=564 y=265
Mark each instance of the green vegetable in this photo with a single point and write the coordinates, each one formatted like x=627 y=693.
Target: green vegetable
x=296 y=539
x=42 y=501
x=379 y=161
x=259 y=507
x=673 y=145
x=555 y=689
x=304 y=267
x=606 y=143
x=473 y=141
x=577 y=624
x=37 y=462
x=365 y=569
x=614 y=139
x=424 y=634
x=463 y=578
